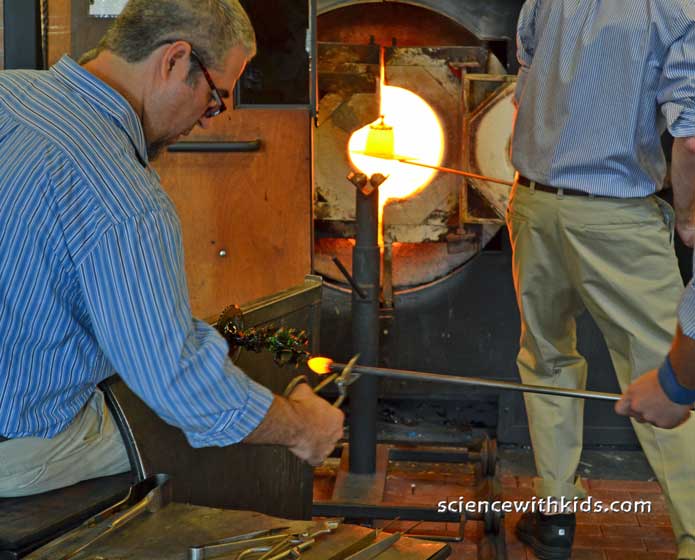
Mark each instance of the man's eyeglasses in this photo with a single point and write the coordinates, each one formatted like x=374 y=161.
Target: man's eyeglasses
x=220 y=107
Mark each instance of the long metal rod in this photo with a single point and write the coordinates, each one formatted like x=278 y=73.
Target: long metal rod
x=410 y=161
x=477 y=382
x=455 y=171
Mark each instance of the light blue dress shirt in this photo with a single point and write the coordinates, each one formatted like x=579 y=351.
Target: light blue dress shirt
x=91 y=270
x=599 y=82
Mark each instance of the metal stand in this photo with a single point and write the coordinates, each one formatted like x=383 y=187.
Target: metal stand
x=360 y=498
x=365 y=327
x=361 y=480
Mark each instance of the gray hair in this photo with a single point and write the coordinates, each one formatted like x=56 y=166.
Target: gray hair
x=212 y=27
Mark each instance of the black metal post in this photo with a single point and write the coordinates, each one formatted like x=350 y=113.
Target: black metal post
x=22 y=42
x=365 y=332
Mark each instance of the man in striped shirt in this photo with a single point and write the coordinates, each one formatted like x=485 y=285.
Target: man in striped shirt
x=599 y=83
x=91 y=275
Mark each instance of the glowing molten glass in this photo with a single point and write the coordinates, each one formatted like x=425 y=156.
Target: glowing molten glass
x=320 y=365
x=417 y=134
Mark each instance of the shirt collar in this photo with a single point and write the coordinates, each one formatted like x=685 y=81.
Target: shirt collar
x=104 y=99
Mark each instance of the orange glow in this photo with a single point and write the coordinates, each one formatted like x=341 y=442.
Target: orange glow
x=320 y=365
x=417 y=134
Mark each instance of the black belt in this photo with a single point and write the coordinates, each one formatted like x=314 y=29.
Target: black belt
x=526 y=182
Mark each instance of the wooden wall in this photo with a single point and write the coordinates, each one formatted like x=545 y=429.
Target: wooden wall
x=254 y=206
x=59 y=17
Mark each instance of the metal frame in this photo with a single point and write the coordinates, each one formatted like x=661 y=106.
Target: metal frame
x=22 y=41
x=310 y=47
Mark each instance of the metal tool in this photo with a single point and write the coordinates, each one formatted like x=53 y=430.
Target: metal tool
x=152 y=494
x=373 y=550
x=289 y=547
x=474 y=382
x=342 y=380
x=295 y=551
x=360 y=543
x=269 y=543
x=242 y=542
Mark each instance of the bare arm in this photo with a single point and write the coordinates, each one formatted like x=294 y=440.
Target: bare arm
x=645 y=400
x=306 y=424
x=683 y=359
x=683 y=179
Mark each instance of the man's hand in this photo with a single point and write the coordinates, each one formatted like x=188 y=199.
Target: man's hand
x=322 y=425
x=686 y=231
x=304 y=423
x=645 y=401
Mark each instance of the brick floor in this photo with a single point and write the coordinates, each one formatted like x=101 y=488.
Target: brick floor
x=599 y=536
x=607 y=536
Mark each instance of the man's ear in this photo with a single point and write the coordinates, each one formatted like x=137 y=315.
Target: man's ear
x=175 y=61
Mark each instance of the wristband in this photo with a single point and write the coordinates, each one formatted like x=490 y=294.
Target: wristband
x=674 y=390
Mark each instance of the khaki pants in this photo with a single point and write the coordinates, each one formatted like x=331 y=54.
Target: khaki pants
x=615 y=259
x=91 y=446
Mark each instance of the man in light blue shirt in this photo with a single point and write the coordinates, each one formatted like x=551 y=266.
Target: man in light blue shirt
x=598 y=85
x=91 y=276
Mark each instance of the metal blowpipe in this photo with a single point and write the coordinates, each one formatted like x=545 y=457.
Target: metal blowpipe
x=330 y=366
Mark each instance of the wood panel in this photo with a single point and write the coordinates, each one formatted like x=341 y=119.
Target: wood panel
x=59 y=29
x=255 y=207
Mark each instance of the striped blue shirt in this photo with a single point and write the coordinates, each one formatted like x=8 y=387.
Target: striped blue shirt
x=686 y=311
x=91 y=270
x=599 y=82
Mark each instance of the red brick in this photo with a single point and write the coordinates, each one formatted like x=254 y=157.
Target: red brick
x=588 y=530
x=604 y=542
x=516 y=552
x=606 y=518
x=632 y=555
x=524 y=481
x=323 y=488
x=509 y=531
x=610 y=495
x=518 y=493
x=473 y=531
x=587 y=554
x=636 y=531
x=653 y=520
x=626 y=485
x=660 y=544
x=509 y=480
x=464 y=551
x=657 y=500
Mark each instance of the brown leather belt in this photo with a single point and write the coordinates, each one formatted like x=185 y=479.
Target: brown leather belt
x=526 y=182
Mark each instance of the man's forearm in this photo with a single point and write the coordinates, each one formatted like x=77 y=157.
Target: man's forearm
x=682 y=357
x=281 y=425
x=683 y=180
x=303 y=422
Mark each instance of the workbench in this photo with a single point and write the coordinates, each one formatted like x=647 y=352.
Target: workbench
x=168 y=533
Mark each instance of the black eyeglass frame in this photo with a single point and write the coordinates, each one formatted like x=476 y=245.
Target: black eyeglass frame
x=210 y=112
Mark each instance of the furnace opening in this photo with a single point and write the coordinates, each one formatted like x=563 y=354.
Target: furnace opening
x=418 y=134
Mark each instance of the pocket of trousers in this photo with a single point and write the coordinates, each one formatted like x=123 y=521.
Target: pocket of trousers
x=669 y=216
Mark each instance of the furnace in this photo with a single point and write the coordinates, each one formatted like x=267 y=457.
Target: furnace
x=447 y=96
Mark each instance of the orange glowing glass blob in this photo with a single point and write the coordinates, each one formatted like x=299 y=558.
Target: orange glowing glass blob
x=320 y=365
x=417 y=134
